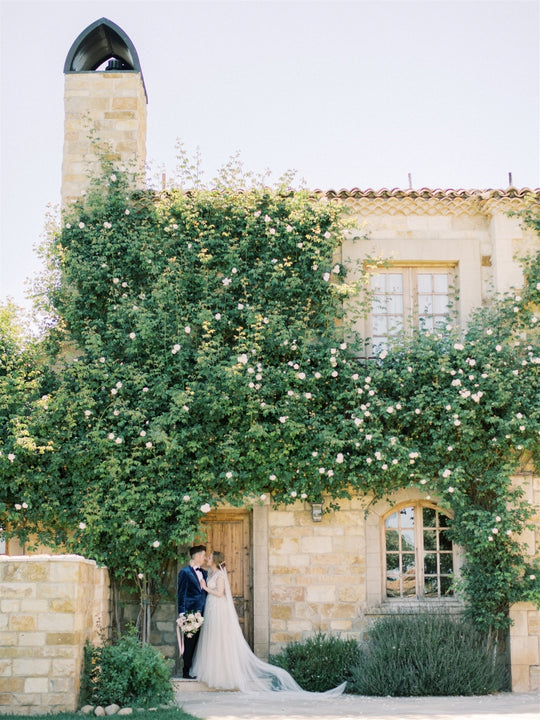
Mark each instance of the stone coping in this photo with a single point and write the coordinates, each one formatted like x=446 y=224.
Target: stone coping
x=48 y=558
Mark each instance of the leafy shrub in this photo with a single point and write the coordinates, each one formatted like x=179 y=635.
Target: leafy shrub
x=320 y=663
x=126 y=673
x=426 y=654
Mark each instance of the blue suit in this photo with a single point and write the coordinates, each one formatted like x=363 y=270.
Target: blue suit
x=191 y=597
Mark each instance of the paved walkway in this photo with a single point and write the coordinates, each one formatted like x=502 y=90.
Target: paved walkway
x=286 y=706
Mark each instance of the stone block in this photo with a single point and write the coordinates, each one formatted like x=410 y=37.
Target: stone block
x=283 y=546
x=316 y=545
x=12 y=605
x=11 y=684
x=7 y=639
x=64 y=605
x=525 y=651
x=17 y=590
x=64 y=572
x=51 y=590
x=281 y=612
x=63 y=668
x=36 y=685
x=287 y=594
x=5 y=668
x=22 y=622
x=60 y=685
x=29 y=571
x=112 y=709
x=520 y=678
x=31 y=667
x=31 y=639
x=351 y=593
x=34 y=605
x=318 y=593
x=280 y=519
x=56 y=622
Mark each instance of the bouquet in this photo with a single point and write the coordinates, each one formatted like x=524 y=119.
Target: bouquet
x=190 y=622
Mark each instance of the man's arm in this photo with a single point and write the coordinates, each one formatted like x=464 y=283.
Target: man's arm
x=182 y=585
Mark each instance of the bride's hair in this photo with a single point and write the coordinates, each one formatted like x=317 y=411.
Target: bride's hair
x=218 y=558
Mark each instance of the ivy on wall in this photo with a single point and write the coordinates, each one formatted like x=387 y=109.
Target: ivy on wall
x=199 y=354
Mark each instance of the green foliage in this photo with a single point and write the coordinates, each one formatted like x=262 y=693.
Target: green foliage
x=319 y=663
x=200 y=354
x=429 y=654
x=125 y=673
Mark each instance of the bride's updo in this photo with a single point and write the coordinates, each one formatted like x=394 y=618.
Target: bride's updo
x=219 y=559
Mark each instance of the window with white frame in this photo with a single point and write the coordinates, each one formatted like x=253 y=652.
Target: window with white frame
x=419 y=557
x=405 y=296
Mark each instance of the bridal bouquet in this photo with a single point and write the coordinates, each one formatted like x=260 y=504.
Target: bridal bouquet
x=190 y=623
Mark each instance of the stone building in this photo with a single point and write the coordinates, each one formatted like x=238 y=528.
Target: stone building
x=294 y=571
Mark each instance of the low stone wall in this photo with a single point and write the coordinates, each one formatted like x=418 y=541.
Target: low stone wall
x=525 y=647
x=49 y=606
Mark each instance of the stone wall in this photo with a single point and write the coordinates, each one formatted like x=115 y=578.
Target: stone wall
x=317 y=573
x=49 y=606
x=525 y=647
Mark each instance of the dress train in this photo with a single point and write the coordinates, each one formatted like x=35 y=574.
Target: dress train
x=223 y=658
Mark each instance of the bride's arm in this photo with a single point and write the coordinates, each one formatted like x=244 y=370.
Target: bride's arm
x=219 y=591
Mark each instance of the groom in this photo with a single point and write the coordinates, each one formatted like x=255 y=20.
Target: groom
x=191 y=597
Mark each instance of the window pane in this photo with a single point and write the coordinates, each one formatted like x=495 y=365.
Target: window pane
x=406 y=517
x=379 y=325
x=440 y=283
x=395 y=325
x=392 y=520
x=395 y=304
x=446 y=586
x=430 y=564
x=424 y=281
x=407 y=540
x=431 y=588
x=394 y=283
x=392 y=576
x=378 y=283
x=425 y=322
x=392 y=540
x=444 y=520
x=409 y=564
x=378 y=304
x=408 y=581
x=429 y=515
x=430 y=540
x=392 y=565
x=447 y=563
x=425 y=304
x=444 y=541
x=440 y=304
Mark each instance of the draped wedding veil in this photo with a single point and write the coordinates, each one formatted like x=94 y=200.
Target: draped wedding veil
x=224 y=659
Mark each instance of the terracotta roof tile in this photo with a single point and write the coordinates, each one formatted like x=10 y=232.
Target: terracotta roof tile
x=428 y=193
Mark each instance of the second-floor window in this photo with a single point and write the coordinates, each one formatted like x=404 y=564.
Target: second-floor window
x=407 y=296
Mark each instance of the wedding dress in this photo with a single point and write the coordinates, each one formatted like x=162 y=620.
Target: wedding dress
x=223 y=658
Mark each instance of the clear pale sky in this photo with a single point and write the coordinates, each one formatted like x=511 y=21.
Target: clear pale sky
x=354 y=93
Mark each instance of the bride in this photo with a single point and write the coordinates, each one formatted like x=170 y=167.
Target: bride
x=223 y=658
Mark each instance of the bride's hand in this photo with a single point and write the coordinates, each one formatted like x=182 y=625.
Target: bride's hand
x=203 y=584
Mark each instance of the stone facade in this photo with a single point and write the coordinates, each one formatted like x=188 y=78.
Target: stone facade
x=525 y=647
x=108 y=109
x=50 y=606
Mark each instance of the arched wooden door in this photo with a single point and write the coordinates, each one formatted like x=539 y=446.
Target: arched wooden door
x=229 y=531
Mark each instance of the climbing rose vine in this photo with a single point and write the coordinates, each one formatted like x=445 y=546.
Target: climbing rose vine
x=200 y=354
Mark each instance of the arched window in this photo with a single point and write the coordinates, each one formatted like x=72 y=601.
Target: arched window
x=419 y=557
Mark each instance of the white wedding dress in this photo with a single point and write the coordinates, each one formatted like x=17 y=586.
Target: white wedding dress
x=223 y=658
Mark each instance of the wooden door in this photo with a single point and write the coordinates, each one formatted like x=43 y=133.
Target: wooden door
x=229 y=532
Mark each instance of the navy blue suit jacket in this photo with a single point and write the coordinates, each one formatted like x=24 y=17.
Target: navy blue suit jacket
x=191 y=596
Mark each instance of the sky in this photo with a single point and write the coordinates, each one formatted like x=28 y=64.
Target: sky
x=346 y=93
